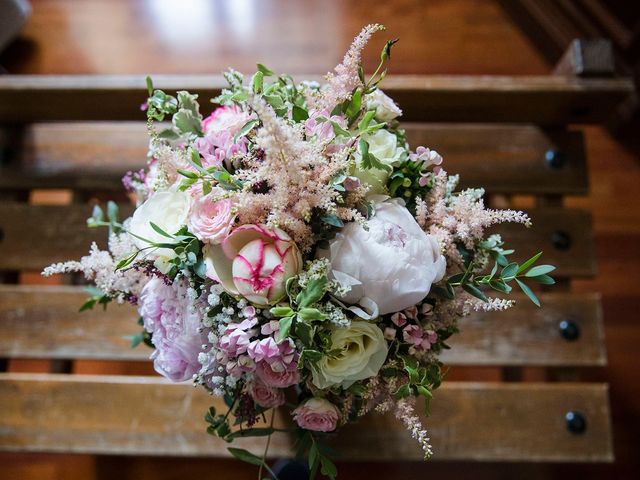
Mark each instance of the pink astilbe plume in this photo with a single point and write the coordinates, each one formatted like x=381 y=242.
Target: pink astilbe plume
x=344 y=79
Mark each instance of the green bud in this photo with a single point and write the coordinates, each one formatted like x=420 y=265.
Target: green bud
x=281 y=311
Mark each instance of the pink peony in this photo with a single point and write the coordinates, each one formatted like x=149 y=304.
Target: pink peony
x=266 y=396
x=280 y=379
x=225 y=119
x=168 y=315
x=254 y=261
x=317 y=414
x=211 y=221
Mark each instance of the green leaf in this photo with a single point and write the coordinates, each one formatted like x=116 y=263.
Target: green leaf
x=424 y=391
x=264 y=70
x=304 y=332
x=149 y=85
x=299 y=114
x=540 y=270
x=366 y=120
x=544 y=280
x=353 y=109
x=245 y=456
x=246 y=128
x=250 y=432
x=112 y=211
x=88 y=304
x=510 y=270
x=313 y=292
x=528 y=292
x=186 y=122
x=528 y=263
x=257 y=81
x=500 y=286
x=338 y=130
x=311 y=314
x=285 y=327
x=313 y=456
x=160 y=230
x=188 y=174
x=281 y=311
x=332 y=220
x=126 y=261
x=475 y=291
x=328 y=468
x=97 y=214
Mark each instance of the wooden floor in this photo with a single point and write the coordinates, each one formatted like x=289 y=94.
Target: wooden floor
x=438 y=36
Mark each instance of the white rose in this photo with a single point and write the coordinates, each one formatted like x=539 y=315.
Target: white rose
x=363 y=351
x=169 y=210
x=384 y=146
x=386 y=109
x=391 y=266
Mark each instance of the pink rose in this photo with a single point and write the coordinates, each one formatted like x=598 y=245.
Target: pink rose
x=280 y=379
x=266 y=396
x=225 y=119
x=211 y=221
x=254 y=261
x=317 y=414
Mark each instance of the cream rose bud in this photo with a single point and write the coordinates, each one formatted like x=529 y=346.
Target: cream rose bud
x=384 y=146
x=254 y=261
x=391 y=265
x=169 y=210
x=362 y=352
x=386 y=109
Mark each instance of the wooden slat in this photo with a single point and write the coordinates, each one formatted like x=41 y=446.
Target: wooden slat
x=543 y=99
x=147 y=416
x=44 y=322
x=93 y=156
x=35 y=236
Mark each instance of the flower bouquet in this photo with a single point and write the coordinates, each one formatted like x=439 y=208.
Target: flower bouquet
x=291 y=251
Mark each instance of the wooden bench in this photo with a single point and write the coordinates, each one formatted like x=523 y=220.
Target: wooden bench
x=509 y=134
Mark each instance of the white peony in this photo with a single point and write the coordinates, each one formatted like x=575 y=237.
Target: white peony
x=386 y=109
x=363 y=351
x=169 y=210
x=389 y=267
x=384 y=146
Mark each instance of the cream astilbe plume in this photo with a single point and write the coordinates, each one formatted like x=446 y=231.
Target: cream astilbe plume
x=297 y=173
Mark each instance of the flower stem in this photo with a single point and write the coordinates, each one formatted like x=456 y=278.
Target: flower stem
x=266 y=449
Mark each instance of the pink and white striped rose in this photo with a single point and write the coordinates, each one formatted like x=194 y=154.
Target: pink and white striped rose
x=254 y=261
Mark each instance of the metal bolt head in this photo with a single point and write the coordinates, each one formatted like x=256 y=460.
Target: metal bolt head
x=556 y=159
x=561 y=240
x=576 y=422
x=569 y=330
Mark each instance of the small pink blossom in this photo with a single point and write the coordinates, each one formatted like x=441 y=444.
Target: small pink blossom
x=263 y=350
x=390 y=333
x=323 y=129
x=270 y=327
x=317 y=414
x=411 y=312
x=266 y=396
x=427 y=156
x=412 y=334
x=279 y=379
x=237 y=337
x=399 y=319
x=211 y=221
x=351 y=183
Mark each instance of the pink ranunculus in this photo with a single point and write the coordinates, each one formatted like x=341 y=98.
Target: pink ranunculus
x=211 y=221
x=317 y=414
x=264 y=395
x=254 y=261
x=279 y=379
x=225 y=119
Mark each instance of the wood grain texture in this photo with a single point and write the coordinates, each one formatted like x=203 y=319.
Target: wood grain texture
x=44 y=322
x=148 y=416
x=62 y=234
x=545 y=100
x=93 y=156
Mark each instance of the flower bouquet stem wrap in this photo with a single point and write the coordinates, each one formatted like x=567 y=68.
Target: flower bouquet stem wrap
x=290 y=251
